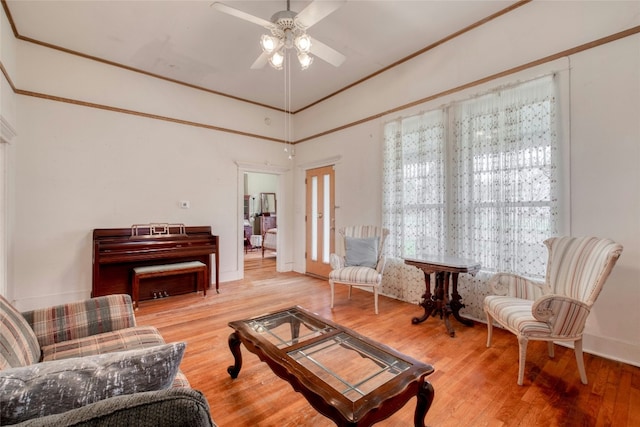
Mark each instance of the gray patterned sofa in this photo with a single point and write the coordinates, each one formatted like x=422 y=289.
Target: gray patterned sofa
x=89 y=364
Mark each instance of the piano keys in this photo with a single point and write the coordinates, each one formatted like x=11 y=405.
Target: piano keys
x=117 y=251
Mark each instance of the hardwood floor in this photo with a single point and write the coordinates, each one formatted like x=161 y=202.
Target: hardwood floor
x=474 y=385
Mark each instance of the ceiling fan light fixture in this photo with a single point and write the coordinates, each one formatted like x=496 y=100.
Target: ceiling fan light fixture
x=305 y=60
x=276 y=60
x=303 y=43
x=268 y=43
x=288 y=30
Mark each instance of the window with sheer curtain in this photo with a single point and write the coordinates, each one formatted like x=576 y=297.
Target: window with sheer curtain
x=477 y=179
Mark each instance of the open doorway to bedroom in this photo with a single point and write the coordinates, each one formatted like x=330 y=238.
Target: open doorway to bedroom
x=260 y=220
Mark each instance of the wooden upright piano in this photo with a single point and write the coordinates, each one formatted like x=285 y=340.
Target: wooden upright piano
x=117 y=251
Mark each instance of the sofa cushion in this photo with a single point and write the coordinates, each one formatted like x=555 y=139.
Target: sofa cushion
x=18 y=343
x=123 y=339
x=62 y=385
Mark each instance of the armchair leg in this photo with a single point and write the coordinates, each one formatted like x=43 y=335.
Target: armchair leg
x=350 y=291
x=522 y=342
x=489 y=328
x=375 y=299
x=331 y=285
x=551 y=349
x=580 y=360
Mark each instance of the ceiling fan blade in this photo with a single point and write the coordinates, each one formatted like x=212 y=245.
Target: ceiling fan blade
x=326 y=53
x=260 y=62
x=317 y=10
x=221 y=7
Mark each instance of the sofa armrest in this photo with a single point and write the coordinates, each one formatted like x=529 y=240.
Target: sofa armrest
x=175 y=407
x=81 y=319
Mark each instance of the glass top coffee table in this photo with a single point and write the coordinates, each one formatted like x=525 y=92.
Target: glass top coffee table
x=345 y=376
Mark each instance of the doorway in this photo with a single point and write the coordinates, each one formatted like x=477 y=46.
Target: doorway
x=260 y=214
x=320 y=220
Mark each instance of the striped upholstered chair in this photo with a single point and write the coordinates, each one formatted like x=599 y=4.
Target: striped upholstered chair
x=557 y=309
x=360 y=261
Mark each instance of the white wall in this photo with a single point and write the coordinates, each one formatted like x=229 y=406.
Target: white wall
x=605 y=184
x=114 y=170
x=8 y=141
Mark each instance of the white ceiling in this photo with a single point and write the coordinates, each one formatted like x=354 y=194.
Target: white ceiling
x=191 y=42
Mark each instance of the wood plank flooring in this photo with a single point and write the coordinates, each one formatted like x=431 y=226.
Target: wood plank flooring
x=474 y=385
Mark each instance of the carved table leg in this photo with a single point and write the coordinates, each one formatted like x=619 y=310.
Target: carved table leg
x=446 y=308
x=456 y=303
x=234 y=346
x=427 y=301
x=425 y=398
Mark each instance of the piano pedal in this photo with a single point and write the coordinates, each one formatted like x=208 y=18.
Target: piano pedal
x=166 y=294
x=155 y=295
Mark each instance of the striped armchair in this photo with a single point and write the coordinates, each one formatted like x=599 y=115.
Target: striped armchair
x=557 y=309
x=361 y=262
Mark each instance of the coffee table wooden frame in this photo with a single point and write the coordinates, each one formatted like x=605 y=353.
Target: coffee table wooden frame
x=375 y=406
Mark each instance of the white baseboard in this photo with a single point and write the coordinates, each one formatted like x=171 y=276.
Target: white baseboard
x=620 y=351
x=229 y=276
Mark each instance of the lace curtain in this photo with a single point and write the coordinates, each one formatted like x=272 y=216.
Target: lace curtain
x=414 y=177
x=477 y=179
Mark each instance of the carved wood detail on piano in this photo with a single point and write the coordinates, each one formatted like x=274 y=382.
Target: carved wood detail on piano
x=117 y=251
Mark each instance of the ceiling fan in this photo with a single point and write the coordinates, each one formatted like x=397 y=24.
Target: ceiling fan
x=288 y=30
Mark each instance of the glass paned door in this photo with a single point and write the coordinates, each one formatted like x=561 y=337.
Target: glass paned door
x=320 y=220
